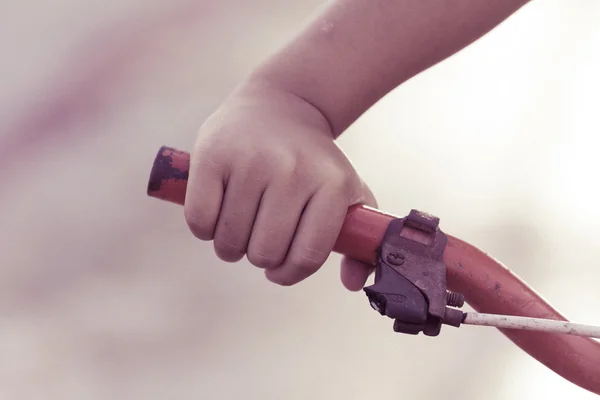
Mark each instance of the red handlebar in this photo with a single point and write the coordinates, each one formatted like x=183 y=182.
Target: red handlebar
x=487 y=285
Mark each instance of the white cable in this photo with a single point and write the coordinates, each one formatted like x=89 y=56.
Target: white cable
x=531 y=324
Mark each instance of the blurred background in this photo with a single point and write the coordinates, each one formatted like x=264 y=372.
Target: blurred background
x=105 y=295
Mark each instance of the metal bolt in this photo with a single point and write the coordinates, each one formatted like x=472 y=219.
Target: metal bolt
x=454 y=299
x=395 y=258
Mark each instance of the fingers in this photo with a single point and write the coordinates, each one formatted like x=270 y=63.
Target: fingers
x=316 y=234
x=275 y=225
x=205 y=189
x=238 y=211
x=354 y=274
x=284 y=227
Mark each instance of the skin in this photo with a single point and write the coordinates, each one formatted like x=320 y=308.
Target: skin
x=267 y=179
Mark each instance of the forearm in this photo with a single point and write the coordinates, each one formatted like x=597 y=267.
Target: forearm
x=359 y=50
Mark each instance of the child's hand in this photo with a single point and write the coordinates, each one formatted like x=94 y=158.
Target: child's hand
x=267 y=180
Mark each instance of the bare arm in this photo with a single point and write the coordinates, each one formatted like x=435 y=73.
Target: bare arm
x=357 y=51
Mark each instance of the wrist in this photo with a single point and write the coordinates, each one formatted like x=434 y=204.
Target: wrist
x=278 y=97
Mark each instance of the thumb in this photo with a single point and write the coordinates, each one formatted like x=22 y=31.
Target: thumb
x=354 y=273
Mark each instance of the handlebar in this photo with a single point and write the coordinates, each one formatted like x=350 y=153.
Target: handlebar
x=488 y=286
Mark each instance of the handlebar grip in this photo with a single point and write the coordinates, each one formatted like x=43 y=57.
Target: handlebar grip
x=359 y=238
x=169 y=175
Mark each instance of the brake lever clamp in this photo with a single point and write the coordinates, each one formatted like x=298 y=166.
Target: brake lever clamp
x=410 y=277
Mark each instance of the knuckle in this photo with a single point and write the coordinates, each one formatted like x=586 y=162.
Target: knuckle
x=281 y=163
x=300 y=176
x=308 y=266
x=284 y=280
x=214 y=152
x=257 y=159
x=340 y=180
x=263 y=259
x=347 y=182
x=199 y=223
x=287 y=162
x=257 y=168
x=296 y=271
x=229 y=248
x=209 y=159
x=309 y=261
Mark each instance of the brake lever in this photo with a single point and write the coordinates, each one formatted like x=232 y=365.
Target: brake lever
x=423 y=275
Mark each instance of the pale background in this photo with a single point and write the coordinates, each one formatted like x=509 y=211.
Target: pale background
x=105 y=295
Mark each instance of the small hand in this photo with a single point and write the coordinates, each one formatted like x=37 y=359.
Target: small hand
x=268 y=181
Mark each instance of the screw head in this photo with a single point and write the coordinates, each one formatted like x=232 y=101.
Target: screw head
x=395 y=258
